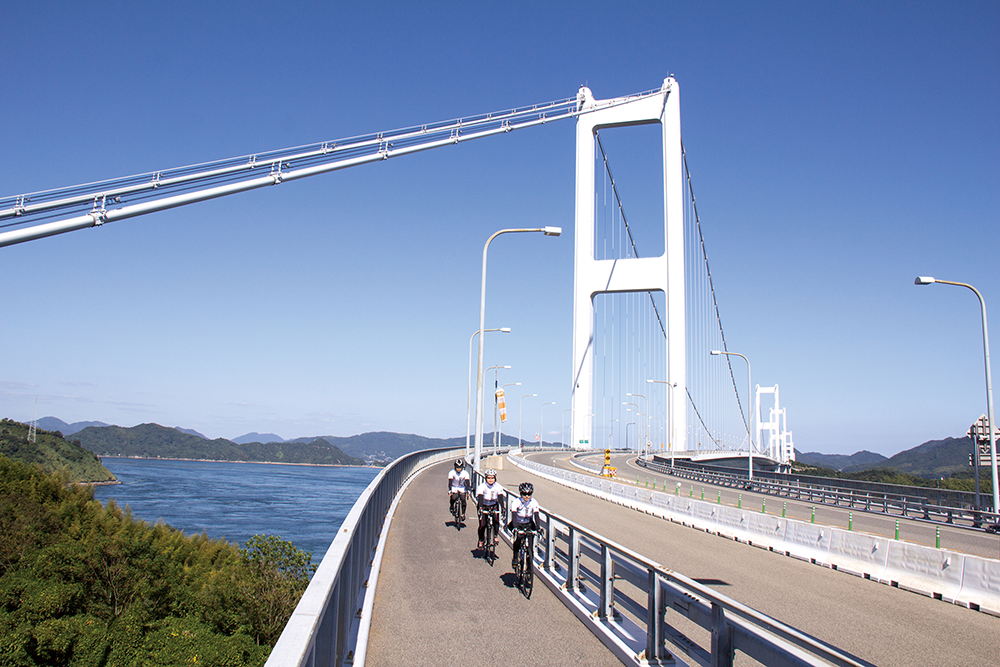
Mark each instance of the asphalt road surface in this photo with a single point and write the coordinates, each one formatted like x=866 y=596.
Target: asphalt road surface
x=883 y=625
x=438 y=603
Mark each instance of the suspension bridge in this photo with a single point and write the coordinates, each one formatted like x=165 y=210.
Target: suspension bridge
x=651 y=373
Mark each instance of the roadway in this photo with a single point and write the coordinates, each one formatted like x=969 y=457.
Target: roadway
x=967 y=540
x=438 y=603
x=884 y=625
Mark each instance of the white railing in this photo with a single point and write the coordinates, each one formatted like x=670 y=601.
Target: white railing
x=326 y=629
x=627 y=600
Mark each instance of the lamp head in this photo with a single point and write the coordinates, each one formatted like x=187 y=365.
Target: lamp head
x=504 y=329
x=714 y=352
x=924 y=280
x=552 y=231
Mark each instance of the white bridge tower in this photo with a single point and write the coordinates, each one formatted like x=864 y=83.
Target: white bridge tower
x=779 y=439
x=664 y=273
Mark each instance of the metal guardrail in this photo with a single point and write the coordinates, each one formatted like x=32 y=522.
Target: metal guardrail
x=630 y=601
x=324 y=628
x=907 y=502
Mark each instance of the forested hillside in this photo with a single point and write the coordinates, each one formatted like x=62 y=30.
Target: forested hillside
x=52 y=452
x=153 y=440
x=84 y=585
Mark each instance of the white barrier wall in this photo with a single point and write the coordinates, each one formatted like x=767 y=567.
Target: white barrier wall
x=970 y=581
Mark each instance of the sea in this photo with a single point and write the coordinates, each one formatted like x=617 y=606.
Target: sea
x=305 y=505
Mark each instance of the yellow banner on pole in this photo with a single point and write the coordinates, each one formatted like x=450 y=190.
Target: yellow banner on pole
x=501 y=405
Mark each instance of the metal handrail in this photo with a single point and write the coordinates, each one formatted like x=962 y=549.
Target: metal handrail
x=584 y=568
x=323 y=629
x=907 y=505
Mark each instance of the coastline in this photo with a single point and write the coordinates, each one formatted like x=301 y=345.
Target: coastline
x=277 y=463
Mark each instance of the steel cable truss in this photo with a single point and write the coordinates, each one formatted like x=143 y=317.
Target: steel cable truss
x=37 y=215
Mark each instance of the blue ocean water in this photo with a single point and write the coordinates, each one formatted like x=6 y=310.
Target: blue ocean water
x=234 y=501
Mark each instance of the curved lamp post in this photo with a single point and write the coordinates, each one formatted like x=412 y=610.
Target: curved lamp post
x=644 y=407
x=749 y=406
x=496 y=370
x=548 y=231
x=670 y=415
x=499 y=441
x=468 y=399
x=927 y=280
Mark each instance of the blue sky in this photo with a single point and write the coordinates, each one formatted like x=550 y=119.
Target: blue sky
x=838 y=150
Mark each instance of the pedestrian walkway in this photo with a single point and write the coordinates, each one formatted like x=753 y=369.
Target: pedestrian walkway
x=437 y=603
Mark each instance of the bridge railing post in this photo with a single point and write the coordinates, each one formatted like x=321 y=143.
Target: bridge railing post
x=606 y=609
x=550 y=543
x=573 y=564
x=722 y=638
x=655 y=610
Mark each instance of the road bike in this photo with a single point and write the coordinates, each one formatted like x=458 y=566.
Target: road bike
x=490 y=534
x=522 y=561
x=456 y=509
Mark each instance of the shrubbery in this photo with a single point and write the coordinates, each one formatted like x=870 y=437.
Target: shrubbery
x=84 y=584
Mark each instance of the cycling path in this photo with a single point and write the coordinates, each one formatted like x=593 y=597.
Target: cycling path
x=887 y=626
x=437 y=603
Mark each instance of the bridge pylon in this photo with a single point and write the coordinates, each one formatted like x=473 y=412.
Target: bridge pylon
x=664 y=273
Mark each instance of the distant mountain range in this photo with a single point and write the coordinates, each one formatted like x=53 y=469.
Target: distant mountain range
x=155 y=441
x=841 y=462
x=54 y=424
x=935 y=458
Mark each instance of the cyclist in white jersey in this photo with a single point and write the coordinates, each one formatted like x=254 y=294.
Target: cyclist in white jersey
x=524 y=515
x=489 y=498
x=458 y=484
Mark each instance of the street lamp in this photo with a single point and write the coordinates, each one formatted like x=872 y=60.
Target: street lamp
x=644 y=407
x=495 y=407
x=562 y=429
x=496 y=370
x=749 y=407
x=670 y=415
x=520 y=411
x=548 y=231
x=927 y=280
x=541 y=414
x=468 y=398
x=626 y=427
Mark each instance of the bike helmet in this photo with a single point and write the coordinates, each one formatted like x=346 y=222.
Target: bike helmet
x=459 y=464
x=526 y=488
x=490 y=472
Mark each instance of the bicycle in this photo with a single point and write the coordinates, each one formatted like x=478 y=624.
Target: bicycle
x=456 y=510
x=523 y=561
x=490 y=533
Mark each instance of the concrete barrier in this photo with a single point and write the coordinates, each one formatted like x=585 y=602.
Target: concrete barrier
x=933 y=572
x=860 y=554
x=947 y=575
x=766 y=531
x=981 y=584
x=808 y=541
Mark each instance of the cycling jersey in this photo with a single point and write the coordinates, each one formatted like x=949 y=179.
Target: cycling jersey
x=458 y=482
x=490 y=493
x=524 y=512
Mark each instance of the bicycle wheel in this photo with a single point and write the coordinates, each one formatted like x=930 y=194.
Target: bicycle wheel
x=527 y=576
x=489 y=548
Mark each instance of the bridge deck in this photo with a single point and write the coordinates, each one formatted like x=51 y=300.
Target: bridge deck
x=437 y=604
x=884 y=625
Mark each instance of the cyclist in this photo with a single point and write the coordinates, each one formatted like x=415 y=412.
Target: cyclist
x=489 y=498
x=524 y=515
x=458 y=485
